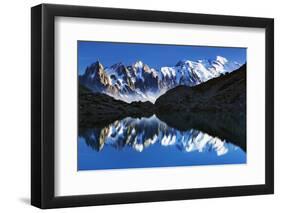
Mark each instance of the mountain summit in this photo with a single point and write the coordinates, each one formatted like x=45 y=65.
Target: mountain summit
x=140 y=82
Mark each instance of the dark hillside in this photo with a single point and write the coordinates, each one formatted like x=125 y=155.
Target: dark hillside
x=226 y=93
x=98 y=109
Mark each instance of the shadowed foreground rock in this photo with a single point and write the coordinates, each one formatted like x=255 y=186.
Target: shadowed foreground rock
x=96 y=109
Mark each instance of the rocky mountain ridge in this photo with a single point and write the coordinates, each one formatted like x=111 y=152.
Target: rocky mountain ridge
x=140 y=82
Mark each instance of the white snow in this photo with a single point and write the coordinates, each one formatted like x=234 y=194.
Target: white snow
x=222 y=60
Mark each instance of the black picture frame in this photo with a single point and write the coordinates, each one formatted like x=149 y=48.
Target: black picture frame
x=43 y=111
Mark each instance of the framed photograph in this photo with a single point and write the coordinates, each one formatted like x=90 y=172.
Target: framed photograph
x=139 y=106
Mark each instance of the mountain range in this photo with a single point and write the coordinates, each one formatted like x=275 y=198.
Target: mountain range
x=140 y=82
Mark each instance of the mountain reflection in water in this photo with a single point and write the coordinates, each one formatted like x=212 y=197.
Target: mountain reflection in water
x=150 y=142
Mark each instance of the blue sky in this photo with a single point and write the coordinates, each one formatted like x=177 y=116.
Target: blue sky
x=155 y=55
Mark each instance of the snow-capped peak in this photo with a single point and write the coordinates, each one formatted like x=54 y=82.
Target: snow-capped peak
x=139 y=64
x=116 y=65
x=222 y=60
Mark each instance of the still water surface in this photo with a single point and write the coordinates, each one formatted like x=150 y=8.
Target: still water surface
x=150 y=142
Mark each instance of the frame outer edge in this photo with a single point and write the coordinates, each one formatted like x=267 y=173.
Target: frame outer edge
x=48 y=108
x=269 y=117
x=36 y=86
x=42 y=106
